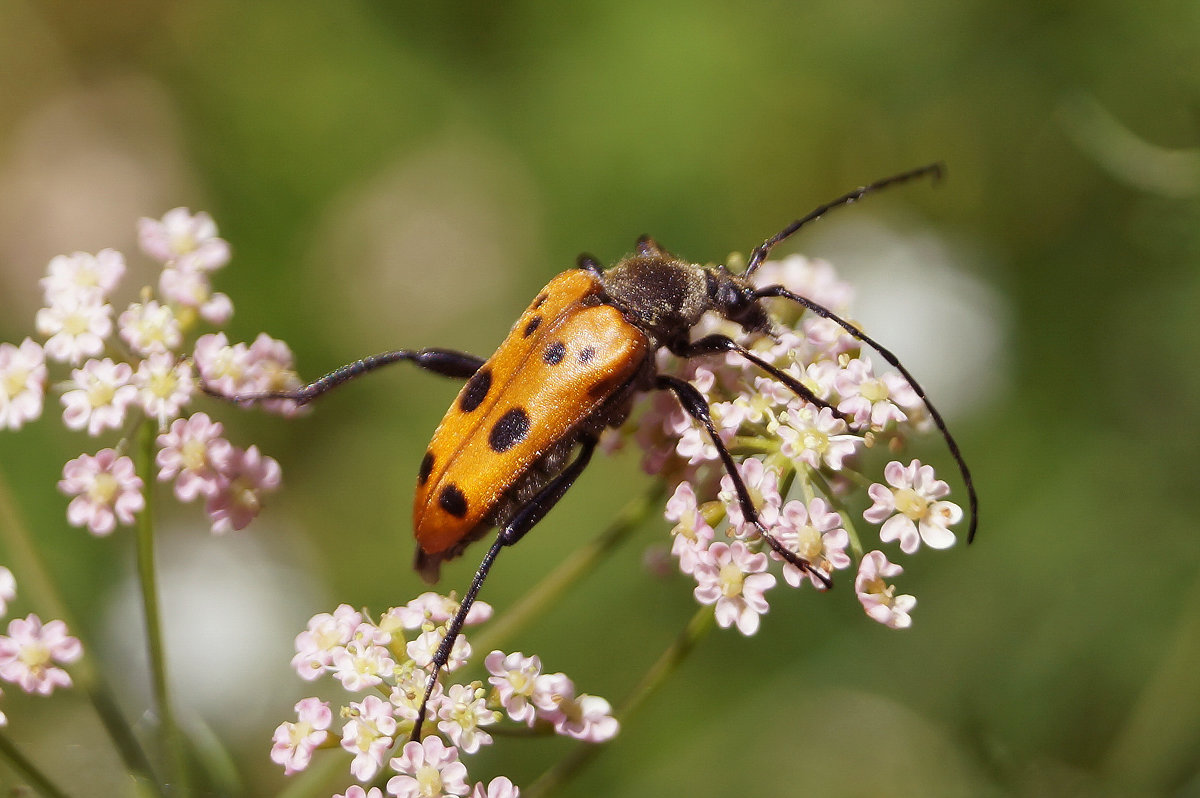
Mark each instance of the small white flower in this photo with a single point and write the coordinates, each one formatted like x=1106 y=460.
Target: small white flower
x=815 y=533
x=873 y=401
x=22 y=383
x=878 y=598
x=368 y=735
x=514 y=677
x=584 y=717
x=428 y=769
x=814 y=436
x=461 y=711
x=359 y=666
x=75 y=326
x=733 y=578
x=164 y=386
x=186 y=240
x=91 y=277
x=100 y=396
x=691 y=534
x=150 y=328
x=911 y=510
x=294 y=743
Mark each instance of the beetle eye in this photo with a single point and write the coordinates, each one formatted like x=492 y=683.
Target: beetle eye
x=737 y=303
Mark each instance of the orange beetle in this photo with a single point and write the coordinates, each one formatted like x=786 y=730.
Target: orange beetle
x=569 y=368
x=565 y=371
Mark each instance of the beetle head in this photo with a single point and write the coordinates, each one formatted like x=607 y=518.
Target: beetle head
x=733 y=297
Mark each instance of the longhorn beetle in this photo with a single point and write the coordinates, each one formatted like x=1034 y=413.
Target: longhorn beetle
x=571 y=367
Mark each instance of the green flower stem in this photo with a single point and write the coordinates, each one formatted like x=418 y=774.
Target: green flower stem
x=696 y=630
x=753 y=444
x=36 y=583
x=28 y=771
x=570 y=571
x=144 y=462
x=1154 y=751
x=856 y=546
x=670 y=660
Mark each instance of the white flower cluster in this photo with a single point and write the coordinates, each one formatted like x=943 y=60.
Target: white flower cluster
x=379 y=658
x=786 y=445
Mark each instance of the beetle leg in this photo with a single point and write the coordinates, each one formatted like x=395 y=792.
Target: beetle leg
x=712 y=344
x=446 y=362
x=693 y=402
x=525 y=519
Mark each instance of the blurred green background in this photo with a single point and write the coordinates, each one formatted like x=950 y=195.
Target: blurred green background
x=405 y=175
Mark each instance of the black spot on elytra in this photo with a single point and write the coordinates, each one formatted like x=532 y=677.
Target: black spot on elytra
x=554 y=353
x=426 y=468
x=452 y=500
x=533 y=324
x=541 y=300
x=509 y=430
x=586 y=354
x=475 y=390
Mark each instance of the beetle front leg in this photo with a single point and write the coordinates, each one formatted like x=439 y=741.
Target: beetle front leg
x=693 y=402
x=714 y=344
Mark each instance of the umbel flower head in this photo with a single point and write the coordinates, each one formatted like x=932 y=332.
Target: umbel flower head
x=148 y=367
x=32 y=653
x=798 y=462
x=384 y=666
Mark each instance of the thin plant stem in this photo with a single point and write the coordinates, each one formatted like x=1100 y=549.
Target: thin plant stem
x=1154 y=750
x=697 y=629
x=38 y=780
x=36 y=583
x=847 y=521
x=156 y=650
x=581 y=562
x=573 y=763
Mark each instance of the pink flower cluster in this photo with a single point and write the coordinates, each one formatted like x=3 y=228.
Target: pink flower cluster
x=781 y=439
x=392 y=658
x=32 y=651
x=144 y=368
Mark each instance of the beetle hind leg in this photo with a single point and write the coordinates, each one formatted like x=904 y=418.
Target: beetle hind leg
x=522 y=521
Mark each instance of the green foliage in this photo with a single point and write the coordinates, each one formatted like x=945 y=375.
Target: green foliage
x=405 y=174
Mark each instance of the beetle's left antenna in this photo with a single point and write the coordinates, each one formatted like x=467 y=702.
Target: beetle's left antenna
x=933 y=170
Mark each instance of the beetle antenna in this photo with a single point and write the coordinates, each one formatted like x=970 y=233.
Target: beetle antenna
x=824 y=312
x=934 y=170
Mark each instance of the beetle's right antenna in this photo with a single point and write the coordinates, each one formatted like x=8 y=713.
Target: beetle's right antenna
x=886 y=354
x=934 y=170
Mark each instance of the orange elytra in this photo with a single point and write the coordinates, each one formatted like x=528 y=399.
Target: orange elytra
x=569 y=360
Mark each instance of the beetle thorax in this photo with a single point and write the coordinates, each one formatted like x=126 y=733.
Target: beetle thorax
x=663 y=296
